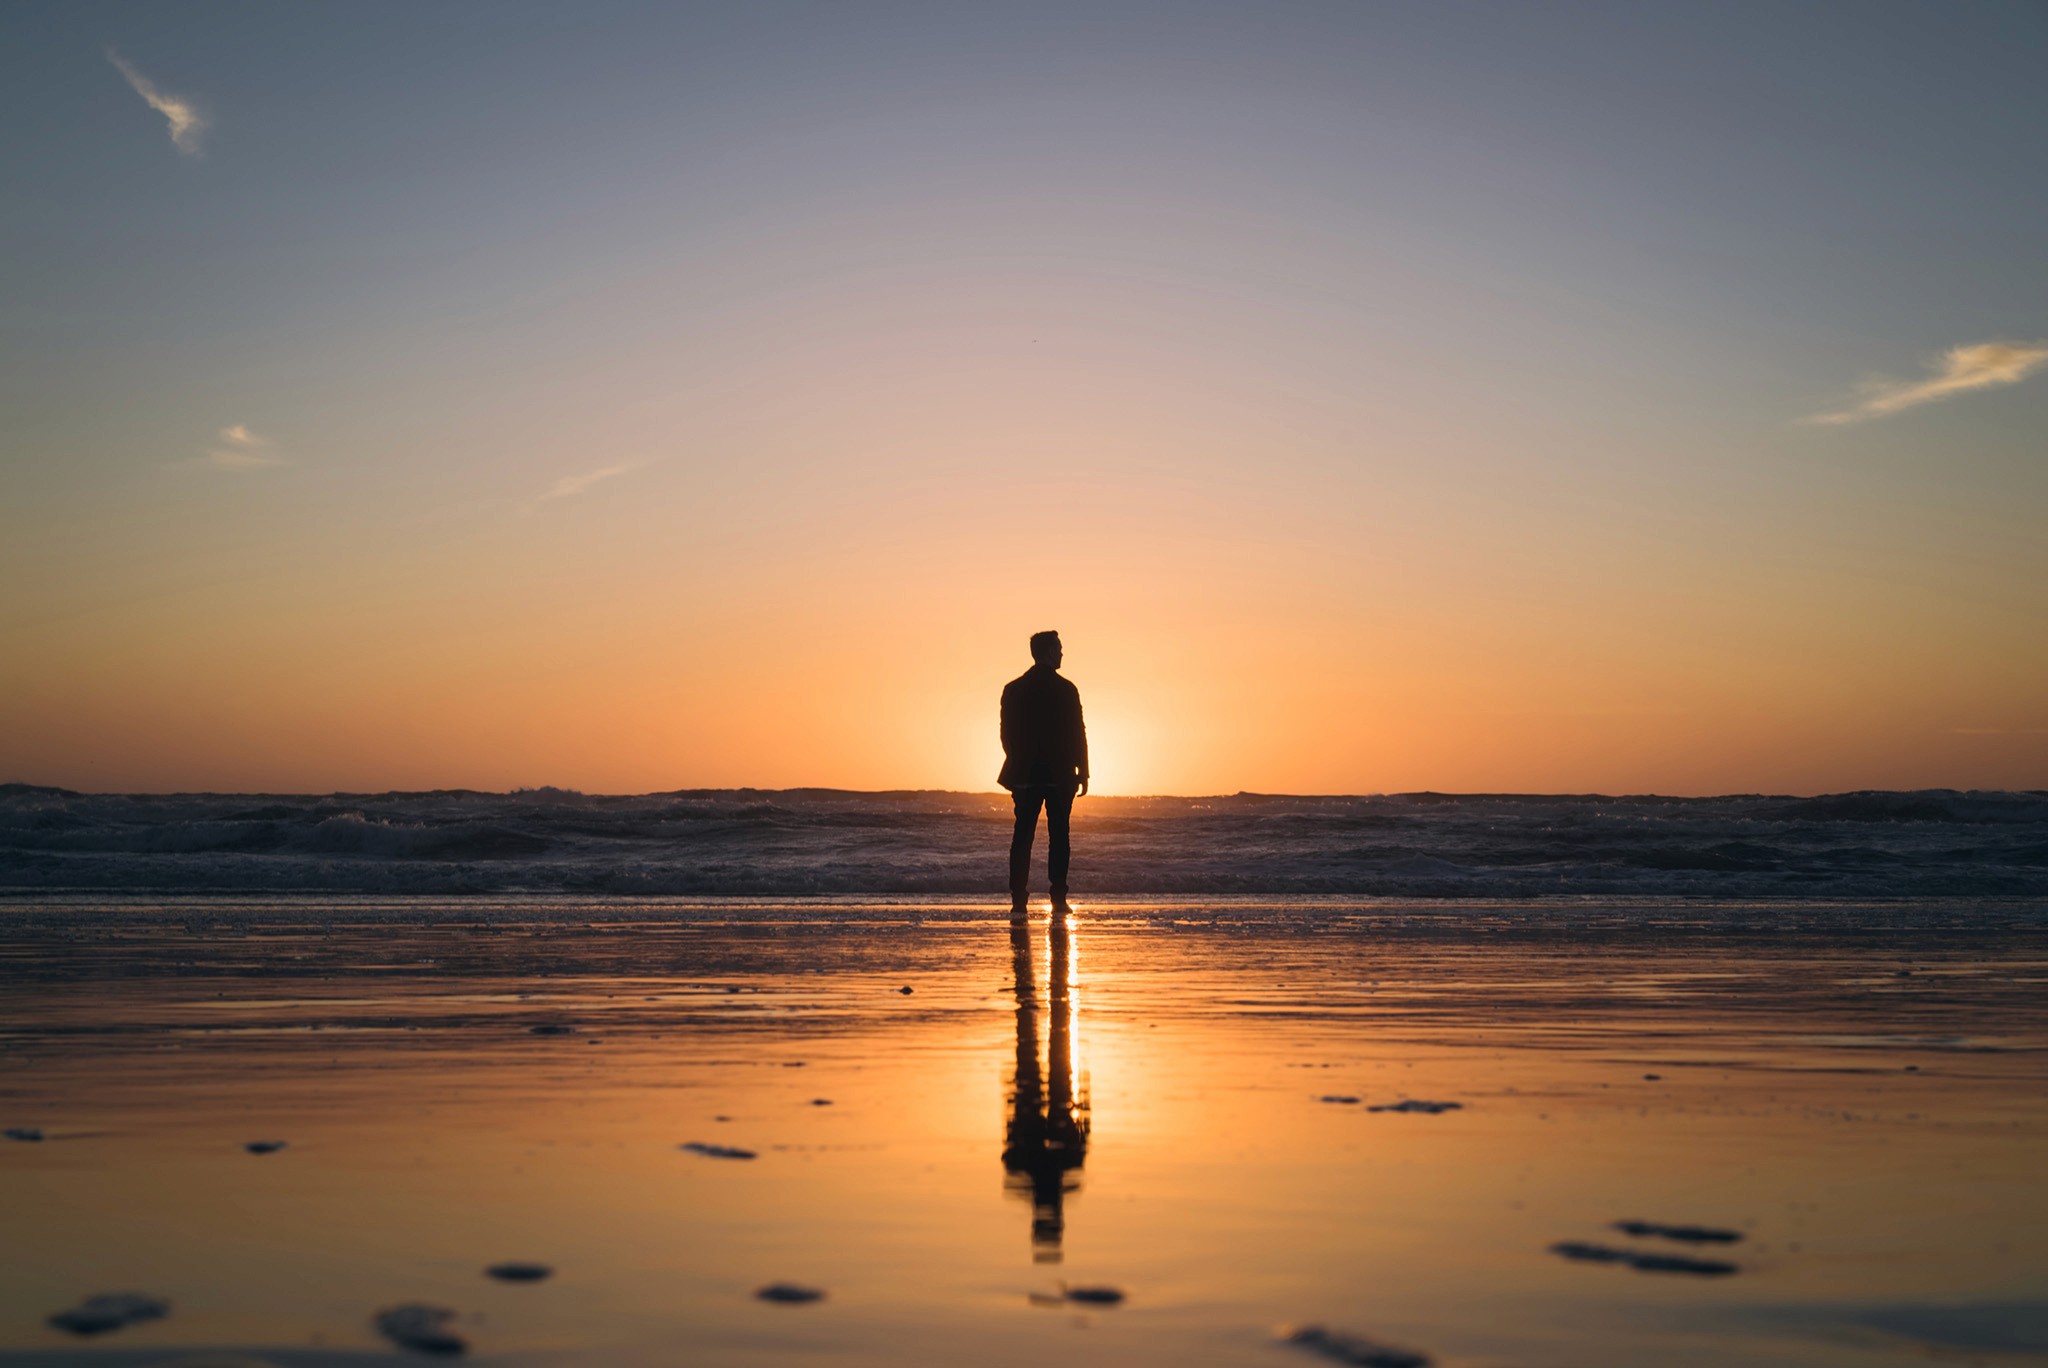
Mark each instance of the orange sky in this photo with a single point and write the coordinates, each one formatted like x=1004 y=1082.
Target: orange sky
x=1381 y=401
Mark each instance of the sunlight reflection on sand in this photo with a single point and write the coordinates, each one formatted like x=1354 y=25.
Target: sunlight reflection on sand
x=1176 y=1107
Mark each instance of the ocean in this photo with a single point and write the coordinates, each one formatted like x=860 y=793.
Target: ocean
x=755 y=1078
x=1936 y=844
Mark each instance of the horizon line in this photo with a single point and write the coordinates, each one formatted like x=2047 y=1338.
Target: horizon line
x=19 y=785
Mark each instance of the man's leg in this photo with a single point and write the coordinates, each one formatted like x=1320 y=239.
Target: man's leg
x=1028 y=802
x=1058 y=807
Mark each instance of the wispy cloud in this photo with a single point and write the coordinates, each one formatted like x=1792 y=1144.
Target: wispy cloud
x=569 y=486
x=1980 y=365
x=187 y=123
x=237 y=448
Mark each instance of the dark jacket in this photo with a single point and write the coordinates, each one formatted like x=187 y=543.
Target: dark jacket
x=1044 y=743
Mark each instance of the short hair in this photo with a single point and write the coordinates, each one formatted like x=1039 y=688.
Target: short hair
x=1043 y=644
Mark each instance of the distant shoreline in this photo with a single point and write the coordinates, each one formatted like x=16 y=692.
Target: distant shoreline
x=23 y=788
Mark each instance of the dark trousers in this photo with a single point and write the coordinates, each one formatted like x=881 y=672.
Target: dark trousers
x=1059 y=805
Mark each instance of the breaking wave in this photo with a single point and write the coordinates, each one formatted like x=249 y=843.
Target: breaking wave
x=795 y=842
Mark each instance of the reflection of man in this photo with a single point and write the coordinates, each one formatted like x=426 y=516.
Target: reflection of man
x=1046 y=1141
x=1045 y=762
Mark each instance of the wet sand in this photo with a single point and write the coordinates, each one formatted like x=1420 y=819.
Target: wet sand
x=1160 y=1134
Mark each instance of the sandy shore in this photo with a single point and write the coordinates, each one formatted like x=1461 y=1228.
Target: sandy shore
x=1198 y=1111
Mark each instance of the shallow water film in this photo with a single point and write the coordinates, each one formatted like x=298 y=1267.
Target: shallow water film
x=875 y=1132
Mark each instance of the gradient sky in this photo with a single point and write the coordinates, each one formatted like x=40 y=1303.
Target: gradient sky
x=1376 y=396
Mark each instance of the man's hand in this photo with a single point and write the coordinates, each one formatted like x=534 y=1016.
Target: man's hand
x=1083 y=793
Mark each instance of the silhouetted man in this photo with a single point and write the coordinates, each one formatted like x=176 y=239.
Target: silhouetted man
x=1045 y=763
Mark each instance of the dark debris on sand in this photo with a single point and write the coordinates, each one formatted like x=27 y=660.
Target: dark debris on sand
x=264 y=1146
x=789 y=1294
x=716 y=1151
x=1688 y=1234
x=549 y=1028
x=1680 y=1263
x=1094 y=1296
x=1583 y=1252
x=421 y=1328
x=1340 y=1099
x=1589 y=1253
x=110 y=1311
x=1417 y=1105
x=520 y=1272
x=1356 y=1350
x=31 y=1134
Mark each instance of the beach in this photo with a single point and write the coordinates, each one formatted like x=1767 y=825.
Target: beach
x=579 y=584
x=1207 y=1131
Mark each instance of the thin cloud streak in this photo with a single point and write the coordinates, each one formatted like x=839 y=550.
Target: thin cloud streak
x=572 y=486
x=569 y=486
x=187 y=123
x=239 y=449
x=1979 y=365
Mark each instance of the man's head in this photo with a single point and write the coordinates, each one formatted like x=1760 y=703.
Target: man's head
x=1045 y=649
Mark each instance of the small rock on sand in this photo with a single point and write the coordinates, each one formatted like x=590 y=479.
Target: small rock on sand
x=264 y=1146
x=420 y=1327
x=1653 y=1078
x=716 y=1151
x=1642 y=1263
x=27 y=1133
x=551 y=1028
x=1356 y=1350
x=1413 y=1104
x=1589 y=1253
x=821 y=1101
x=1689 y=1234
x=1680 y=1263
x=906 y=990
x=789 y=1294
x=1341 y=1099
x=109 y=1311
x=520 y=1272
x=1094 y=1296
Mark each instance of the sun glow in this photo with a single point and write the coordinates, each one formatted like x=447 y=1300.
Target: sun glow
x=1120 y=751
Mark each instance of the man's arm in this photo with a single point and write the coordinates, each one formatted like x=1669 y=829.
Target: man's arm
x=1007 y=725
x=1080 y=741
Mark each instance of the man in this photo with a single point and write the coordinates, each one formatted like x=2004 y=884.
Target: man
x=1045 y=764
